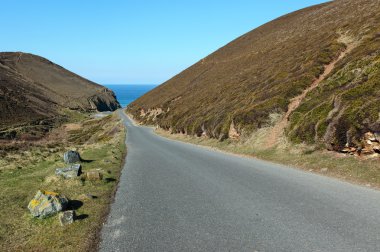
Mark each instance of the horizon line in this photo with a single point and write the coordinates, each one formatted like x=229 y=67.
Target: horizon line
x=154 y=84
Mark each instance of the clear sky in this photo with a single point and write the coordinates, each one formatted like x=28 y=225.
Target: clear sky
x=131 y=41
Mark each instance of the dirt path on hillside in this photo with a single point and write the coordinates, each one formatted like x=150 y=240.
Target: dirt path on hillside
x=277 y=131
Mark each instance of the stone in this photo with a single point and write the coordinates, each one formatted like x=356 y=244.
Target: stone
x=370 y=136
x=233 y=133
x=90 y=196
x=71 y=157
x=94 y=175
x=374 y=155
x=66 y=217
x=69 y=172
x=377 y=136
x=376 y=148
x=367 y=151
x=87 y=196
x=324 y=169
x=45 y=204
x=348 y=150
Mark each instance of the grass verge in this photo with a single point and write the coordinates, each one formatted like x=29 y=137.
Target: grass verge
x=363 y=171
x=26 y=167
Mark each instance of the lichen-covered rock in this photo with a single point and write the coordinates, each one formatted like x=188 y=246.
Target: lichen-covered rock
x=66 y=217
x=71 y=157
x=69 y=172
x=47 y=203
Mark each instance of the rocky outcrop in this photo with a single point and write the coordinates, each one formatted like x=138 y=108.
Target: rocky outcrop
x=369 y=145
x=233 y=133
x=105 y=100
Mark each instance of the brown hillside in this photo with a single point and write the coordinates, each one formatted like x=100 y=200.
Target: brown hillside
x=33 y=91
x=326 y=57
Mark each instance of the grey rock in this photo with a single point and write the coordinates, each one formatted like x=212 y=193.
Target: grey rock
x=71 y=157
x=69 y=172
x=66 y=217
x=47 y=203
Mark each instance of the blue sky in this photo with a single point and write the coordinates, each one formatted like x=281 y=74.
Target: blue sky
x=131 y=41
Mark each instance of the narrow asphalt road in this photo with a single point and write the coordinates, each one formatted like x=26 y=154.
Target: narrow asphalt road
x=178 y=197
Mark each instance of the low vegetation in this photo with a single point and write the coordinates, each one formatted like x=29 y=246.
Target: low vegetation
x=347 y=103
x=34 y=91
x=27 y=166
x=259 y=74
x=363 y=171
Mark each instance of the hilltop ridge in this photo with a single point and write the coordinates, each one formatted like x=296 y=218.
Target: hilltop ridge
x=250 y=84
x=34 y=91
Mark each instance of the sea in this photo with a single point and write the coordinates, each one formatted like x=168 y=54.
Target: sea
x=127 y=93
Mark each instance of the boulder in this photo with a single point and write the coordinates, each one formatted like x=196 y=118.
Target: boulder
x=47 y=203
x=66 y=217
x=69 y=172
x=71 y=157
x=94 y=175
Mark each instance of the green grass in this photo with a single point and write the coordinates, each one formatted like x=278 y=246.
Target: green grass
x=18 y=184
x=354 y=88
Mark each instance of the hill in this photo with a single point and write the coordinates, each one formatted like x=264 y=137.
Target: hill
x=312 y=76
x=34 y=93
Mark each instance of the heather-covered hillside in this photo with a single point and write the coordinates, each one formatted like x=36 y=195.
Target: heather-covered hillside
x=35 y=92
x=313 y=74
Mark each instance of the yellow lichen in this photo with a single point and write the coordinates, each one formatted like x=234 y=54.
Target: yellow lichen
x=50 y=193
x=34 y=203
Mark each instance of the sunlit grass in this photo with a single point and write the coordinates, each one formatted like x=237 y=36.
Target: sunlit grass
x=26 y=174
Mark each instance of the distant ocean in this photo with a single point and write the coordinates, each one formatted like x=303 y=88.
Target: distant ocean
x=127 y=93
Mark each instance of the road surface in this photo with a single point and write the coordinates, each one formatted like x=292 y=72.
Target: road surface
x=179 y=197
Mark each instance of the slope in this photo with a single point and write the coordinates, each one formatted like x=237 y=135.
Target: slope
x=34 y=91
x=235 y=90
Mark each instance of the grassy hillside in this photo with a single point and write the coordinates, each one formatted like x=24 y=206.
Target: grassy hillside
x=250 y=83
x=28 y=166
x=35 y=93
